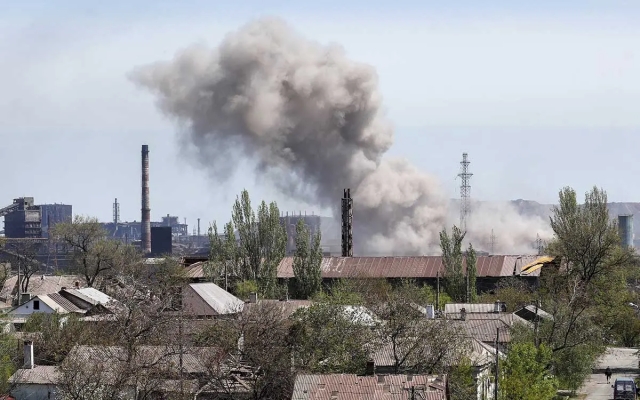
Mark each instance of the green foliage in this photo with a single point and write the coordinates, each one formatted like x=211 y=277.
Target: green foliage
x=244 y=288
x=472 y=273
x=9 y=357
x=95 y=256
x=57 y=334
x=224 y=256
x=585 y=237
x=324 y=340
x=452 y=258
x=513 y=292
x=524 y=373
x=260 y=247
x=462 y=385
x=306 y=262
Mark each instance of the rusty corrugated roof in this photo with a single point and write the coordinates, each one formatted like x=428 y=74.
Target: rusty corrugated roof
x=378 y=387
x=407 y=267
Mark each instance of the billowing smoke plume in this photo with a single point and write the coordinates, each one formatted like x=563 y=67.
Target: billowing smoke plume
x=305 y=111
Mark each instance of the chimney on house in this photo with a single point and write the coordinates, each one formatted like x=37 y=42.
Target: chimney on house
x=431 y=313
x=77 y=284
x=497 y=307
x=28 y=355
x=253 y=297
x=371 y=368
x=463 y=314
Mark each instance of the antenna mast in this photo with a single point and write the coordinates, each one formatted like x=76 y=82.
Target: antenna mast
x=465 y=191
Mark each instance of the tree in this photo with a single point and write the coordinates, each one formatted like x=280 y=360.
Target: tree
x=472 y=272
x=416 y=344
x=257 y=340
x=325 y=340
x=589 y=279
x=585 y=237
x=525 y=375
x=461 y=378
x=9 y=358
x=94 y=255
x=451 y=246
x=224 y=256
x=23 y=256
x=261 y=244
x=306 y=262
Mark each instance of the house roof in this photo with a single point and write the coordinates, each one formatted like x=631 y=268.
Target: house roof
x=40 y=284
x=470 y=308
x=217 y=298
x=91 y=296
x=38 y=375
x=196 y=270
x=408 y=267
x=485 y=330
x=286 y=307
x=478 y=353
x=59 y=303
x=375 y=387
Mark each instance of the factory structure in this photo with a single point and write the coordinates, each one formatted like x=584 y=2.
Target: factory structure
x=24 y=219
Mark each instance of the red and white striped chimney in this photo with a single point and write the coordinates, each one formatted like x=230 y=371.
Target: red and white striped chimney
x=146 y=210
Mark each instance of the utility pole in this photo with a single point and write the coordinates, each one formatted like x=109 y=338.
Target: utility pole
x=497 y=363
x=438 y=290
x=535 y=329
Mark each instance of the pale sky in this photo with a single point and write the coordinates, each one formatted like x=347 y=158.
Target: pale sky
x=539 y=97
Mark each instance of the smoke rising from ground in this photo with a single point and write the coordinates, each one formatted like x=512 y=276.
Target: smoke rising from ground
x=307 y=112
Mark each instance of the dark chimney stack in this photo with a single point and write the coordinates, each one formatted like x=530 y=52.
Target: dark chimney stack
x=370 y=368
x=146 y=210
x=347 y=224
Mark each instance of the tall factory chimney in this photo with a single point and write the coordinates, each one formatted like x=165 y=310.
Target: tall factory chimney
x=146 y=210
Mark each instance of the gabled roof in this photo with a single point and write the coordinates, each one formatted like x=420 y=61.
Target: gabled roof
x=470 y=308
x=40 y=284
x=409 y=267
x=374 y=387
x=217 y=298
x=38 y=375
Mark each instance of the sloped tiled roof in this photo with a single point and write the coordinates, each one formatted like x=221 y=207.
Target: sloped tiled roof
x=478 y=353
x=65 y=304
x=196 y=270
x=40 y=284
x=469 y=308
x=287 y=308
x=217 y=298
x=380 y=387
x=408 y=267
x=38 y=375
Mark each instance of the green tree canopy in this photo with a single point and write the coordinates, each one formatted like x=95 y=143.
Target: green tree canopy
x=306 y=262
x=259 y=248
x=524 y=374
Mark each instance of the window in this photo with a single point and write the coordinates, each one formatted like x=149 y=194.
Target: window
x=36 y=304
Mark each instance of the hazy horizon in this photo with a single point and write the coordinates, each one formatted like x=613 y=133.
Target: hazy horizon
x=540 y=98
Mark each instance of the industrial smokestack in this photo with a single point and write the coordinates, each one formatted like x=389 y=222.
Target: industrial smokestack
x=146 y=210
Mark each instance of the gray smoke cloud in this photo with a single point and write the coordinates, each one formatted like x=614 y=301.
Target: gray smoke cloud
x=313 y=120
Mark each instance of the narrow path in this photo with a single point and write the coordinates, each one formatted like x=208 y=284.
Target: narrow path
x=622 y=361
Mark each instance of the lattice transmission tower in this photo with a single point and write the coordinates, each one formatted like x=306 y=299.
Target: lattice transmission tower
x=465 y=191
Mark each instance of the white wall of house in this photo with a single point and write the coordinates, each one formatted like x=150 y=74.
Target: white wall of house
x=34 y=305
x=35 y=392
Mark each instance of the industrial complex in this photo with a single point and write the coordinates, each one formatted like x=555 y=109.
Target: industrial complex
x=24 y=219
